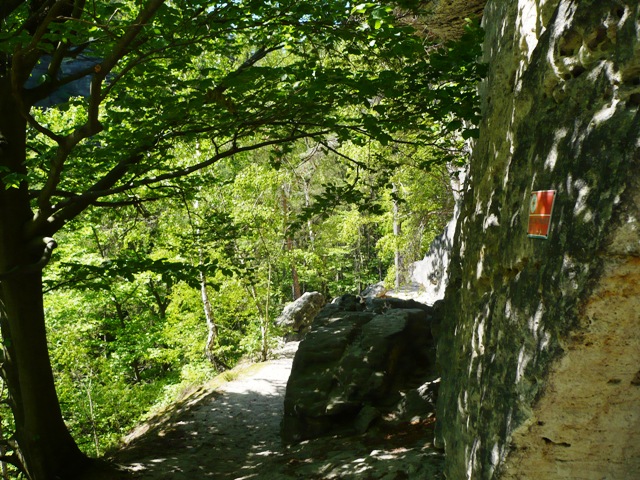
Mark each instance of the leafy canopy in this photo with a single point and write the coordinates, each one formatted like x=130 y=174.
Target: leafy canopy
x=123 y=102
x=240 y=75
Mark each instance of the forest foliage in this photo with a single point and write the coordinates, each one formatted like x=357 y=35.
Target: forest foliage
x=202 y=164
x=126 y=319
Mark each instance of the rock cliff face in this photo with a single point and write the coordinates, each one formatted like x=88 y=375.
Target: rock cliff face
x=432 y=272
x=540 y=342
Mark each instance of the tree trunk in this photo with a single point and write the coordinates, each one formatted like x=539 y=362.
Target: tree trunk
x=47 y=449
x=161 y=298
x=307 y=202
x=396 y=235
x=212 y=328
x=265 y=324
x=296 y=291
x=263 y=314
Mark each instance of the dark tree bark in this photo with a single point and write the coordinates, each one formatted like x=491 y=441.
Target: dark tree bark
x=46 y=446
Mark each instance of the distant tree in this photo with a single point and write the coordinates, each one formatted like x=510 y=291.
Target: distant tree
x=149 y=73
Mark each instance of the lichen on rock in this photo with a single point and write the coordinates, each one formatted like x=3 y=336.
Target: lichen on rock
x=560 y=112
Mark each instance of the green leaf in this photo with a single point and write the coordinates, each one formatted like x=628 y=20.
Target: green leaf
x=470 y=133
x=13 y=180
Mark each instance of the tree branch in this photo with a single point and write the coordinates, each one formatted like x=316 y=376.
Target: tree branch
x=119 y=51
x=75 y=206
x=342 y=155
x=61 y=51
x=70 y=208
x=24 y=59
x=46 y=245
x=113 y=81
x=126 y=203
x=216 y=95
x=44 y=90
x=42 y=129
x=92 y=125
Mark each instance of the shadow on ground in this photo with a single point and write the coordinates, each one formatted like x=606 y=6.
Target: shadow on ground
x=233 y=434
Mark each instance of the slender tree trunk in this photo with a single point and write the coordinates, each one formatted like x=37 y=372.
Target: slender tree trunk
x=263 y=313
x=212 y=328
x=96 y=440
x=296 y=291
x=396 y=234
x=120 y=312
x=265 y=324
x=162 y=299
x=307 y=202
x=47 y=449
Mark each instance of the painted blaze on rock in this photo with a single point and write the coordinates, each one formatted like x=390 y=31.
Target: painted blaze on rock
x=541 y=213
x=560 y=112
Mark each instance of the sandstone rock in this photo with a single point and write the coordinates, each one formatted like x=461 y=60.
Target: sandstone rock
x=420 y=403
x=539 y=337
x=366 y=416
x=357 y=363
x=373 y=291
x=432 y=272
x=297 y=316
x=447 y=19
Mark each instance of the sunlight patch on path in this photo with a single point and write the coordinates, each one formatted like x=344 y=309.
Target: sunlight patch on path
x=233 y=433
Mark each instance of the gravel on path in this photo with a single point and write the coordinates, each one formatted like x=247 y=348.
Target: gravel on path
x=232 y=433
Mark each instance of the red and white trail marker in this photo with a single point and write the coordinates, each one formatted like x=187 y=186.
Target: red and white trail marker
x=540 y=212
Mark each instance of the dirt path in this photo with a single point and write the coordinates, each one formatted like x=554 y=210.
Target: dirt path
x=232 y=433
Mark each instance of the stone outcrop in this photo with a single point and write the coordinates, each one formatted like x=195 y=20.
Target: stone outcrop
x=539 y=343
x=361 y=360
x=432 y=272
x=445 y=19
x=297 y=316
x=375 y=290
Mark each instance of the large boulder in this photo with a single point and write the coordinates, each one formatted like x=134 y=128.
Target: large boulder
x=297 y=316
x=360 y=361
x=374 y=291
